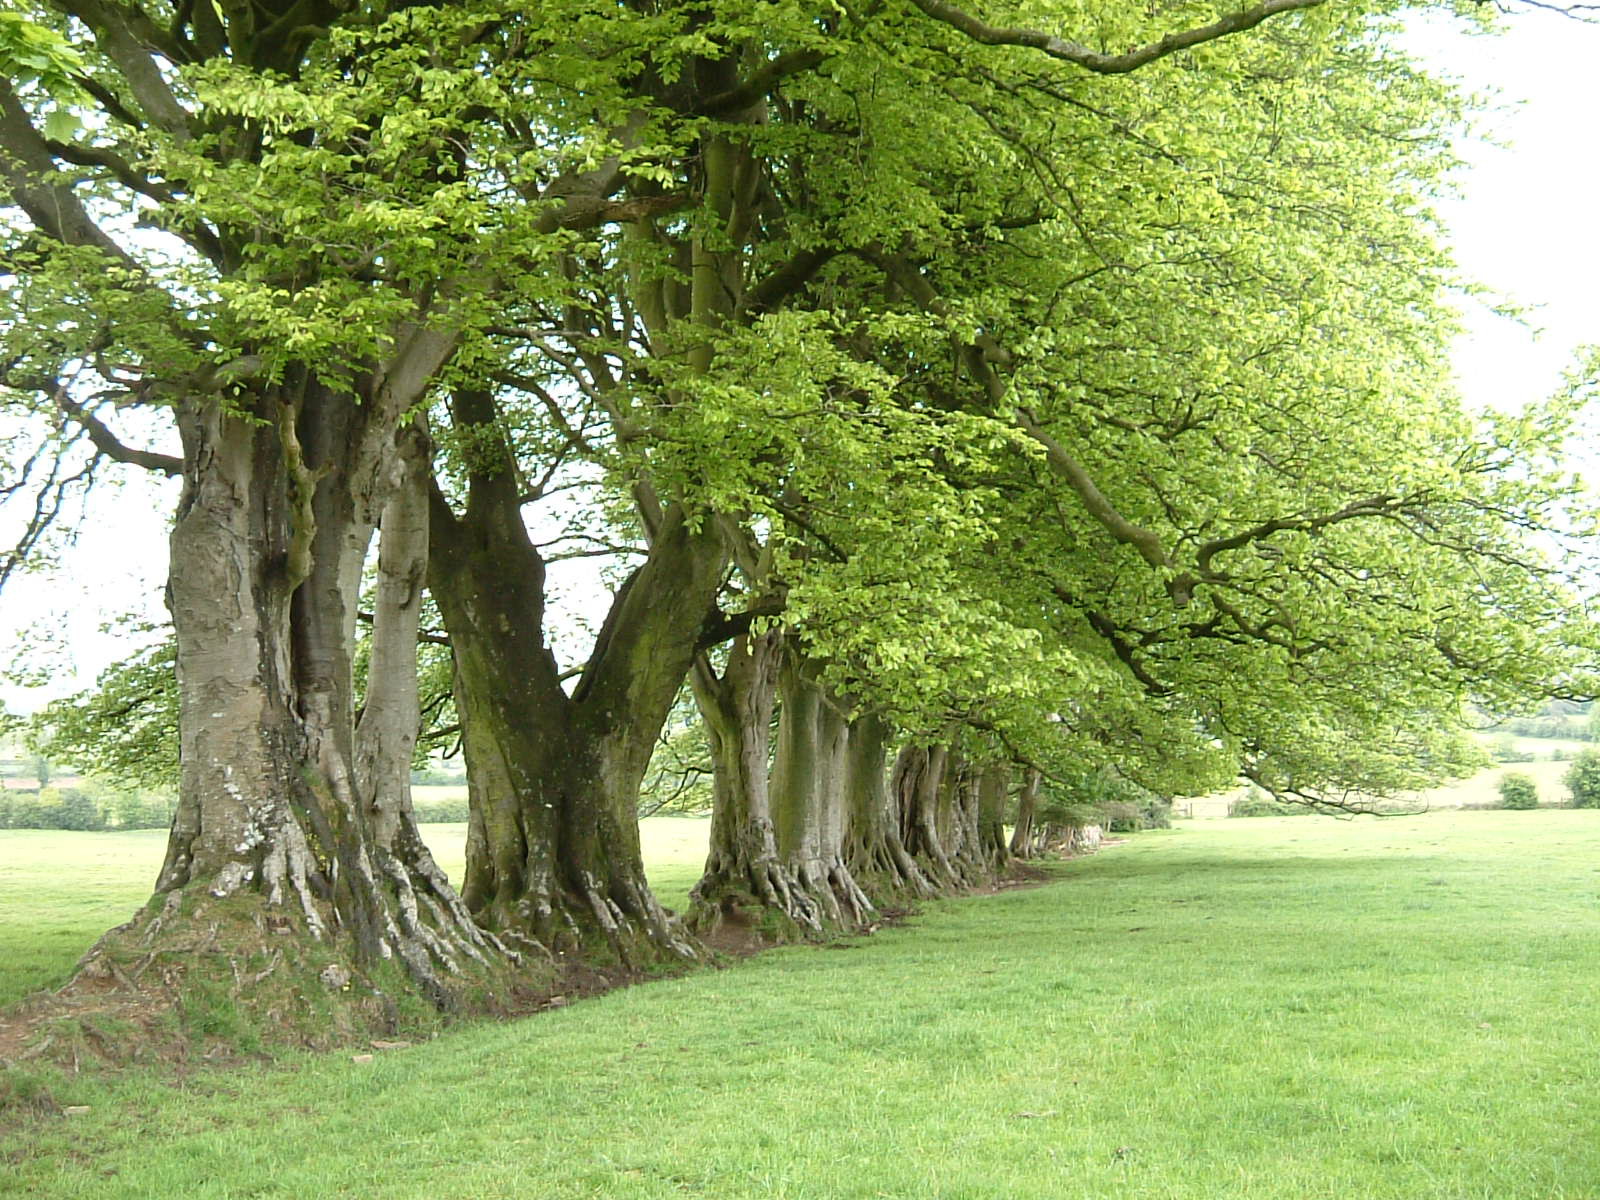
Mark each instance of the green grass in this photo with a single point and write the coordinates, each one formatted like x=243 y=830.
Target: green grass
x=1284 y=1008
x=60 y=891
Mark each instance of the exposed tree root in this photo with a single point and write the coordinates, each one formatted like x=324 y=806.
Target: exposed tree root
x=197 y=977
x=758 y=891
x=622 y=924
x=811 y=899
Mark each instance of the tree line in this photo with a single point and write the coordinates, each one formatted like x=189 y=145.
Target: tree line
x=965 y=410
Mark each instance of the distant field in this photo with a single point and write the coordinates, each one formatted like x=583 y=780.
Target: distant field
x=424 y=793
x=60 y=891
x=1478 y=791
x=1289 y=1008
x=1546 y=747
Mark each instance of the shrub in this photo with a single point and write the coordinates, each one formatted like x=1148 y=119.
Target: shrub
x=1122 y=816
x=69 y=808
x=79 y=811
x=440 y=812
x=1257 y=803
x=1518 y=791
x=143 y=809
x=1583 y=780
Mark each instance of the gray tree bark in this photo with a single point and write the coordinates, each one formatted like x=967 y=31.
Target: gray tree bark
x=1023 y=834
x=283 y=808
x=810 y=795
x=874 y=851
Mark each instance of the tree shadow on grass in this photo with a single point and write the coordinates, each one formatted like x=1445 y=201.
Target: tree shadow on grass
x=1115 y=866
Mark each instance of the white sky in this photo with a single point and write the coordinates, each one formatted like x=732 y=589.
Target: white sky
x=1524 y=224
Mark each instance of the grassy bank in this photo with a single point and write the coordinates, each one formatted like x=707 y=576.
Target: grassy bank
x=60 y=891
x=1288 y=1007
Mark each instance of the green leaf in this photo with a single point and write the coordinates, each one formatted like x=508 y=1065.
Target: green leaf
x=61 y=125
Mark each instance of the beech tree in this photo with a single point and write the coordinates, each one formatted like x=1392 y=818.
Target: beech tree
x=260 y=225
x=1039 y=429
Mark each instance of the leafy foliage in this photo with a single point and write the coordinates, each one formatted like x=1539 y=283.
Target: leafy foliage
x=1518 y=791
x=125 y=728
x=1583 y=780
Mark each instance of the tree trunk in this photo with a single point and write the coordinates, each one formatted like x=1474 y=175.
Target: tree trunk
x=553 y=842
x=994 y=786
x=1023 y=835
x=743 y=870
x=919 y=786
x=876 y=855
x=285 y=836
x=958 y=817
x=777 y=843
x=809 y=798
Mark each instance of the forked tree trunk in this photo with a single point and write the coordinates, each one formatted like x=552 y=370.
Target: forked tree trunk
x=873 y=849
x=278 y=815
x=553 y=841
x=920 y=790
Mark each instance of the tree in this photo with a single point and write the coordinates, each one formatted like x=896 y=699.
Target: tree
x=293 y=310
x=1583 y=780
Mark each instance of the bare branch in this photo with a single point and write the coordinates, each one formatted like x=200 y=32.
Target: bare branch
x=108 y=444
x=131 y=40
x=1108 y=64
x=36 y=185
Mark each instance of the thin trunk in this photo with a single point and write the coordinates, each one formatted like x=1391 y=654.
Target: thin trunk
x=386 y=734
x=1023 y=835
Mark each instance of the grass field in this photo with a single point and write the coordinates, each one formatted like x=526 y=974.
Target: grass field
x=1287 y=1007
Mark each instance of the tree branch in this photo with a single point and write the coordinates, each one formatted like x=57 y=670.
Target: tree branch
x=39 y=188
x=1372 y=506
x=785 y=280
x=1069 y=468
x=1108 y=64
x=108 y=444
x=130 y=39
x=759 y=83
